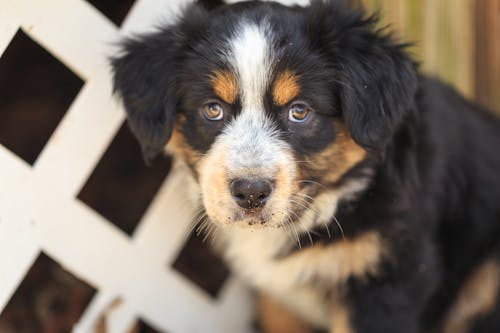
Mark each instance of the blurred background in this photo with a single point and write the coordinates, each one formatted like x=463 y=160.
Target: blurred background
x=456 y=40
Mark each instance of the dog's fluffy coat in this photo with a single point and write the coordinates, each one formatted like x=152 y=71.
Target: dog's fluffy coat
x=384 y=210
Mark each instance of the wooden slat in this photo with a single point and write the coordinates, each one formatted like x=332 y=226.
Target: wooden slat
x=463 y=51
x=487 y=59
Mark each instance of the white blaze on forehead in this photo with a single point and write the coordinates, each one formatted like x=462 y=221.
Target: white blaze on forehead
x=251 y=140
x=251 y=58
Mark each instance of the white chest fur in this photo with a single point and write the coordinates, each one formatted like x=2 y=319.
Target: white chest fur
x=252 y=255
x=293 y=279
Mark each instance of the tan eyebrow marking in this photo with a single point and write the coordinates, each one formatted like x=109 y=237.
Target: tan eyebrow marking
x=286 y=87
x=225 y=86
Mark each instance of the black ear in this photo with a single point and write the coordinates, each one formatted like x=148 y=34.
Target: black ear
x=376 y=78
x=144 y=76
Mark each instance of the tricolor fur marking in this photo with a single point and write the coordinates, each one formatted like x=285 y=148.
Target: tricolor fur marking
x=336 y=179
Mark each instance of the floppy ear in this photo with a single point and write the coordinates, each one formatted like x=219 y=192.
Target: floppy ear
x=144 y=76
x=376 y=78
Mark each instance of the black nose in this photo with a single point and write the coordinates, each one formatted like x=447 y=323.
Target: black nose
x=250 y=193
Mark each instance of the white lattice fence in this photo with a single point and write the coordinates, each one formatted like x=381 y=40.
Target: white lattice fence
x=39 y=210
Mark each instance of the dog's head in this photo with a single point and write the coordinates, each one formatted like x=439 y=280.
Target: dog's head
x=272 y=107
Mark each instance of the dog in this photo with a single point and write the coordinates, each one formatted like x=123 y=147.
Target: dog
x=354 y=193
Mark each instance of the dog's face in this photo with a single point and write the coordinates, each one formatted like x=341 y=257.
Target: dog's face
x=277 y=111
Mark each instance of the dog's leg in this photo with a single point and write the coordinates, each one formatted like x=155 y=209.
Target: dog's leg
x=275 y=318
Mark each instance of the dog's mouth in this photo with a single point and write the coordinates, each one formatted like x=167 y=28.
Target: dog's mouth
x=254 y=218
x=251 y=218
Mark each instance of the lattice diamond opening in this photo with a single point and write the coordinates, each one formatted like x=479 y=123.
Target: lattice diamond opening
x=145 y=328
x=122 y=186
x=55 y=297
x=200 y=265
x=116 y=11
x=35 y=92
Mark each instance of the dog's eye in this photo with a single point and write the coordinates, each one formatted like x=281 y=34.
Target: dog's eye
x=299 y=113
x=213 y=111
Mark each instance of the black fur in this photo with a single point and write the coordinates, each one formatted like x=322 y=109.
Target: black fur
x=146 y=75
x=435 y=191
x=374 y=101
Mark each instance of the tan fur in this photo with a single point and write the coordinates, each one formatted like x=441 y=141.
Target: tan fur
x=342 y=154
x=275 y=318
x=215 y=184
x=225 y=86
x=178 y=146
x=286 y=87
x=340 y=319
x=337 y=262
x=476 y=299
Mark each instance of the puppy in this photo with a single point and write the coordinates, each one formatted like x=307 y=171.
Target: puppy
x=354 y=192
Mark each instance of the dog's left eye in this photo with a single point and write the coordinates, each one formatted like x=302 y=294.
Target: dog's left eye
x=213 y=111
x=299 y=113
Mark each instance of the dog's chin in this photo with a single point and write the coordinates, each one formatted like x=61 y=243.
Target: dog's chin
x=251 y=219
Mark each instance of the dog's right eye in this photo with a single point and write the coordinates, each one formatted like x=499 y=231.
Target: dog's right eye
x=212 y=111
x=299 y=113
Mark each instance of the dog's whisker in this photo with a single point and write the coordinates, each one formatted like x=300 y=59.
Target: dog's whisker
x=315 y=233
x=202 y=227
x=305 y=204
x=340 y=227
x=313 y=182
x=215 y=234
x=288 y=227
x=199 y=216
x=310 y=238
x=297 y=236
x=290 y=231
x=305 y=196
x=205 y=236
x=309 y=204
x=209 y=232
x=327 y=230
x=308 y=233
x=301 y=199
x=266 y=216
x=294 y=231
x=188 y=204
